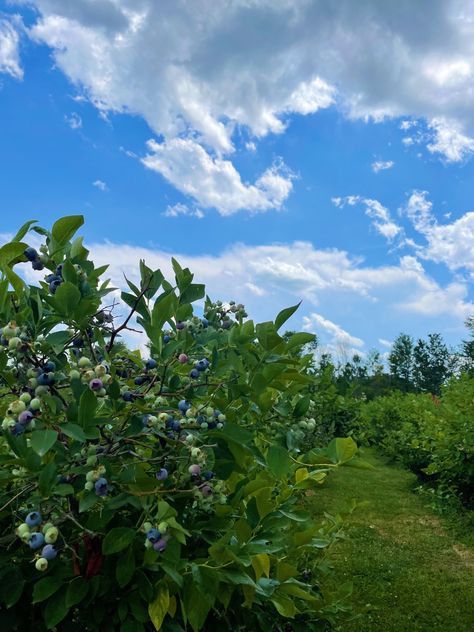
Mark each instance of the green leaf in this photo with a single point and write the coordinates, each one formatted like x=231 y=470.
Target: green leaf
x=57 y=340
x=55 y=610
x=47 y=478
x=267 y=335
x=73 y=431
x=24 y=229
x=278 y=461
x=67 y=298
x=46 y=587
x=117 y=539
x=87 y=407
x=76 y=591
x=192 y=293
x=299 y=339
x=11 y=251
x=284 y=315
x=341 y=450
x=163 y=310
x=302 y=406
x=65 y=228
x=159 y=607
x=125 y=568
x=43 y=440
x=15 y=281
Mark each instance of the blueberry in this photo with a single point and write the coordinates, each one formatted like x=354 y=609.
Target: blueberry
x=33 y=519
x=176 y=425
x=208 y=475
x=59 y=270
x=184 y=405
x=153 y=535
x=101 y=485
x=18 y=429
x=31 y=254
x=206 y=491
x=194 y=373
x=212 y=425
x=37 y=265
x=162 y=474
x=78 y=342
x=160 y=545
x=166 y=338
x=36 y=540
x=151 y=364
x=45 y=379
x=95 y=384
x=204 y=322
x=49 y=367
x=49 y=278
x=127 y=396
x=49 y=552
x=25 y=417
x=53 y=286
x=201 y=365
x=194 y=470
x=180 y=325
x=141 y=379
x=145 y=420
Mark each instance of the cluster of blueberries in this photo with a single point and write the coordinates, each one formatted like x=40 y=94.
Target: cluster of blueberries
x=32 y=255
x=45 y=539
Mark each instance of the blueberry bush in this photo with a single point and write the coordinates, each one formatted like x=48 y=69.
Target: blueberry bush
x=158 y=490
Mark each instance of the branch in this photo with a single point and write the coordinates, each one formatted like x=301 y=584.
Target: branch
x=123 y=326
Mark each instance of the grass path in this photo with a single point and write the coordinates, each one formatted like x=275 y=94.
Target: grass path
x=409 y=571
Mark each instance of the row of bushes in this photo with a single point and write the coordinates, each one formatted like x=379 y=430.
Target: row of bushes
x=432 y=436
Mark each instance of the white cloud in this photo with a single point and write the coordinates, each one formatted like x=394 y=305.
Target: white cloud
x=182 y=209
x=450 y=141
x=202 y=70
x=74 y=121
x=382 y=165
x=9 y=49
x=101 y=185
x=382 y=220
x=385 y=343
x=337 y=335
x=214 y=182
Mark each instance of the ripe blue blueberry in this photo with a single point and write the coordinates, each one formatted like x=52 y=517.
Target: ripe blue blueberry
x=160 y=545
x=49 y=367
x=204 y=322
x=31 y=254
x=53 y=286
x=25 y=417
x=151 y=364
x=101 y=485
x=180 y=325
x=36 y=540
x=95 y=384
x=33 y=519
x=37 y=265
x=18 y=429
x=139 y=380
x=176 y=425
x=162 y=474
x=166 y=338
x=208 y=475
x=183 y=405
x=49 y=552
x=153 y=535
x=194 y=373
x=45 y=379
x=127 y=396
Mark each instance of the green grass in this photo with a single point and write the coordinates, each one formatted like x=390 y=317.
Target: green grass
x=409 y=570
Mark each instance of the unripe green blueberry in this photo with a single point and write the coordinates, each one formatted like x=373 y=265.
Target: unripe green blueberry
x=147 y=526
x=25 y=397
x=22 y=530
x=221 y=417
x=8 y=423
x=89 y=486
x=163 y=417
x=74 y=374
x=17 y=407
x=14 y=343
x=91 y=460
x=84 y=362
x=196 y=453
x=41 y=564
x=101 y=392
x=51 y=535
x=209 y=411
x=32 y=382
x=89 y=375
x=148 y=544
x=219 y=426
x=35 y=404
x=163 y=527
x=90 y=476
x=204 y=425
x=190 y=439
x=47 y=527
x=190 y=413
x=100 y=370
x=41 y=390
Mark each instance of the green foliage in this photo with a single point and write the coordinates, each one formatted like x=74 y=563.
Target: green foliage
x=158 y=486
x=434 y=437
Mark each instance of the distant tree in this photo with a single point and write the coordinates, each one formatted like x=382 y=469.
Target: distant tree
x=467 y=349
x=431 y=364
x=401 y=362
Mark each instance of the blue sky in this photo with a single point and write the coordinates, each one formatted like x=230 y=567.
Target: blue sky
x=282 y=150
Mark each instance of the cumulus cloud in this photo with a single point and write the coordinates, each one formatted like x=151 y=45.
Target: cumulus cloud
x=379 y=214
x=101 y=185
x=74 y=120
x=382 y=165
x=200 y=71
x=451 y=244
x=215 y=182
x=9 y=49
x=179 y=209
x=337 y=335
